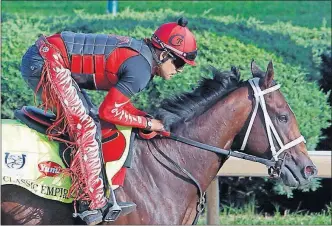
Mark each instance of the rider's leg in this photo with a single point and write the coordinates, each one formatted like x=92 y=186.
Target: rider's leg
x=83 y=206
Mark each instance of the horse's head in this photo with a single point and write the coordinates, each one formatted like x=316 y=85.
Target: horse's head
x=272 y=132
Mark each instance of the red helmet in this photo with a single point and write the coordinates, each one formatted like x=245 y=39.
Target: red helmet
x=176 y=38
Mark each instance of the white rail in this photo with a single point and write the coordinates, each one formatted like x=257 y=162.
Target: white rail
x=239 y=167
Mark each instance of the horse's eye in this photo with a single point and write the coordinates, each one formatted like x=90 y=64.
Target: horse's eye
x=283 y=118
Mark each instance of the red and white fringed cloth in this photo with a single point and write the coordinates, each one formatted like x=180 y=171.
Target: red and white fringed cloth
x=60 y=94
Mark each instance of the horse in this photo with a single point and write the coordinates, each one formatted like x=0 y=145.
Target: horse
x=219 y=112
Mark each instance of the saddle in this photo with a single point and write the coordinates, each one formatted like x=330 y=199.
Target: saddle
x=35 y=118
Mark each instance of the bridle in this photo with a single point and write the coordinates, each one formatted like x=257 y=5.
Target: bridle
x=270 y=129
x=275 y=164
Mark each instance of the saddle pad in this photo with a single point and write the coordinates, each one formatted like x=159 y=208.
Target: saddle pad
x=26 y=156
x=31 y=161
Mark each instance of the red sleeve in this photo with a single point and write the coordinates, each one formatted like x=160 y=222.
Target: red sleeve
x=131 y=108
x=117 y=109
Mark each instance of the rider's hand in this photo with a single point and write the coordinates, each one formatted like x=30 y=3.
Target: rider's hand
x=157 y=125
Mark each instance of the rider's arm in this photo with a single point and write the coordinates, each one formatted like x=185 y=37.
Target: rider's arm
x=114 y=109
x=134 y=75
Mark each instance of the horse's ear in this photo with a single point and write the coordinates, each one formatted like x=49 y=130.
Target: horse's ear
x=255 y=70
x=267 y=80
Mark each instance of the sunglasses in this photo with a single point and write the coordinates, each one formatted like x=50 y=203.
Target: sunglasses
x=177 y=61
x=191 y=55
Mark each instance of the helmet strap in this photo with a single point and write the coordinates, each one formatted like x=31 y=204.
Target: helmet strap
x=154 y=54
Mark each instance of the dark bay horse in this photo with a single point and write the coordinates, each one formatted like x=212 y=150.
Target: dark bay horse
x=218 y=112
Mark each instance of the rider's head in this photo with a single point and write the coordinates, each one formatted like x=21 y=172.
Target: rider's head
x=176 y=45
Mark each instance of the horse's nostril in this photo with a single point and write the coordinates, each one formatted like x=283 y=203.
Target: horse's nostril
x=310 y=171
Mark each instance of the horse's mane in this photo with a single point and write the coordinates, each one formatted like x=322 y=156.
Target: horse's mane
x=187 y=105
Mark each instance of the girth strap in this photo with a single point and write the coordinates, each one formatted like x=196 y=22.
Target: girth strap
x=201 y=194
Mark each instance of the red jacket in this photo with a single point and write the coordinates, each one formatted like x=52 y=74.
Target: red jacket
x=94 y=60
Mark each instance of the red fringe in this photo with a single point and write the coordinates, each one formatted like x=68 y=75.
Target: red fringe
x=50 y=101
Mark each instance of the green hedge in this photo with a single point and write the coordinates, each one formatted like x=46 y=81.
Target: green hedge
x=305 y=13
x=223 y=41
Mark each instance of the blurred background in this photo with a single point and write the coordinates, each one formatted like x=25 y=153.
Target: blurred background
x=296 y=35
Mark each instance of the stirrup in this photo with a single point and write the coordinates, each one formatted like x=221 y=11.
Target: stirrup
x=115 y=210
x=113 y=213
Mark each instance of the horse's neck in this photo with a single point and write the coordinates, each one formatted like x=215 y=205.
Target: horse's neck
x=218 y=126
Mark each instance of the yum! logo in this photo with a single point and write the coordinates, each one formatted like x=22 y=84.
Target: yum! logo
x=50 y=169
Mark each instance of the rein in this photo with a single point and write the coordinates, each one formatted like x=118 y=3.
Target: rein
x=236 y=154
